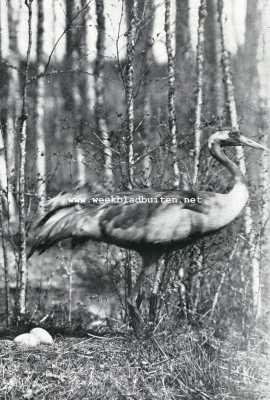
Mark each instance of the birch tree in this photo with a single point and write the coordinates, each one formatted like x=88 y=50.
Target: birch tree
x=83 y=97
x=199 y=88
x=22 y=136
x=171 y=92
x=69 y=57
x=256 y=59
x=39 y=111
x=100 y=95
x=143 y=58
x=147 y=60
x=4 y=233
x=13 y=102
x=131 y=46
x=231 y=102
x=72 y=92
x=233 y=117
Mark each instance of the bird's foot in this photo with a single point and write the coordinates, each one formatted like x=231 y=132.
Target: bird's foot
x=136 y=318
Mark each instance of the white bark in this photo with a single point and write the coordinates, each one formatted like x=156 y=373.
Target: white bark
x=22 y=156
x=3 y=204
x=146 y=52
x=40 y=106
x=22 y=217
x=132 y=30
x=171 y=92
x=100 y=95
x=261 y=281
x=3 y=166
x=13 y=103
x=230 y=97
x=199 y=88
x=252 y=247
x=147 y=162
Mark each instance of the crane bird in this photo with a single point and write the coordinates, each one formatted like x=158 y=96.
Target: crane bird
x=151 y=223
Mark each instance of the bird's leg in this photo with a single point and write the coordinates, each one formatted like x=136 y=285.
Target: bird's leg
x=132 y=299
x=154 y=293
x=136 y=317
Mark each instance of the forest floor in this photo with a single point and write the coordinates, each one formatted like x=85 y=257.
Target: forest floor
x=180 y=363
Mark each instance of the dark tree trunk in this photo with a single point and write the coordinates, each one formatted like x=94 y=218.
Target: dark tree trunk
x=184 y=62
x=214 y=88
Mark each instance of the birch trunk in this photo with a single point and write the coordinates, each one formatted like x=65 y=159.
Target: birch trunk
x=81 y=170
x=147 y=60
x=100 y=95
x=85 y=98
x=13 y=102
x=261 y=275
x=258 y=56
x=80 y=159
x=253 y=60
x=40 y=105
x=88 y=91
x=232 y=110
x=69 y=58
x=22 y=279
x=80 y=87
x=22 y=158
x=3 y=205
x=131 y=46
x=147 y=162
x=171 y=93
x=199 y=88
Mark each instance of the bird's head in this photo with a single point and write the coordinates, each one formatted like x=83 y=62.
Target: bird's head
x=232 y=138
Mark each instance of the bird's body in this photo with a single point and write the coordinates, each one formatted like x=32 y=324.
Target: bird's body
x=151 y=223
x=141 y=220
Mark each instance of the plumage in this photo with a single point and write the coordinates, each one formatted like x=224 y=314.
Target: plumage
x=146 y=221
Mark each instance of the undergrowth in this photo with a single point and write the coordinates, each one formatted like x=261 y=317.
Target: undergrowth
x=176 y=363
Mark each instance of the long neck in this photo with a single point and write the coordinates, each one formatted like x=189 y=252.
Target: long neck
x=219 y=155
x=231 y=204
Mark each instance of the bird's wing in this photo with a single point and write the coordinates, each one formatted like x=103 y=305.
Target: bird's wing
x=170 y=216
x=137 y=224
x=127 y=219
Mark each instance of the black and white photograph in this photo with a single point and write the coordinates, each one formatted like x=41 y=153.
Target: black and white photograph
x=134 y=200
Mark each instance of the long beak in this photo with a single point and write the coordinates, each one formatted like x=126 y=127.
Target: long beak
x=251 y=143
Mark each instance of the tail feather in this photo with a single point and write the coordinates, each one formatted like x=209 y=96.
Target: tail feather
x=51 y=230
x=75 y=222
x=59 y=202
x=68 y=215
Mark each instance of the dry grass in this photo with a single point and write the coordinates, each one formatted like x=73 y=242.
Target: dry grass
x=176 y=364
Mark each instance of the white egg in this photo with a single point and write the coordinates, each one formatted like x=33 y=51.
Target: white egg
x=27 y=340
x=42 y=335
